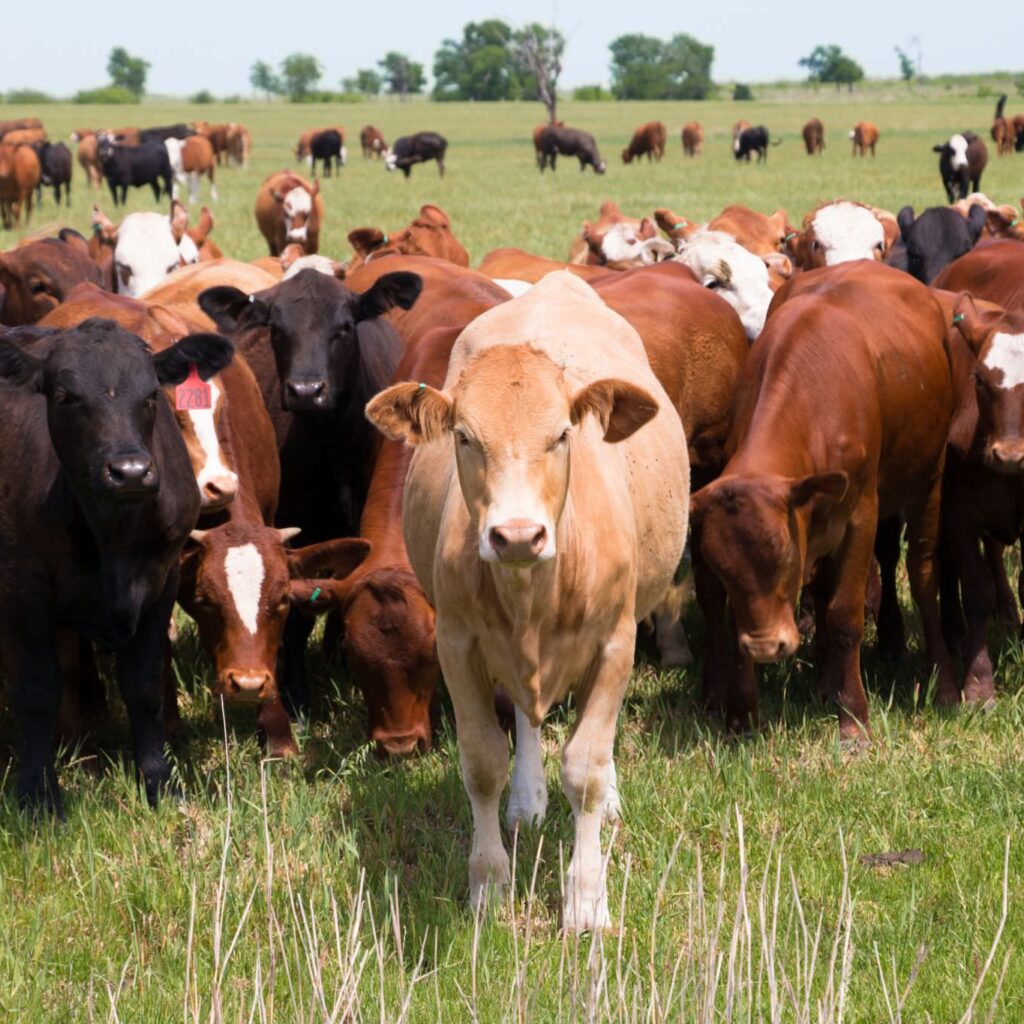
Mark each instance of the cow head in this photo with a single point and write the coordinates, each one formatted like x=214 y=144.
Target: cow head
x=36 y=277
x=753 y=535
x=837 y=233
x=149 y=246
x=997 y=340
x=512 y=419
x=312 y=320
x=298 y=204
x=430 y=234
x=390 y=159
x=937 y=237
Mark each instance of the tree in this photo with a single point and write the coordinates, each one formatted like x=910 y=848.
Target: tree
x=538 y=53
x=263 y=79
x=687 y=62
x=300 y=72
x=830 y=64
x=908 y=71
x=637 y=70
x=403 y=77
x=368 y=82
x=127 y=71
x=480 y=66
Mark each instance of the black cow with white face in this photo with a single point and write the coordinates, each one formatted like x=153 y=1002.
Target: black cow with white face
x=144 y=164
x=753 y=140
x=103 y=503
x=962 y=159
x=556 y=139
x=936 y=238
x=416 y=149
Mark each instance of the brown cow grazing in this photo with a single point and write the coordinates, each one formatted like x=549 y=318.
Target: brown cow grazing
x=88 y=156
x=693 y=139
x=648 y=140
x=617 y=240
x=239 y=145
x=20 y=174
x=793 y=506
x=1002 y=129
x=372 y=142
x=545 y=513
x=865 y=137
x=814 y=137
x=289 y=209
x=430 y=234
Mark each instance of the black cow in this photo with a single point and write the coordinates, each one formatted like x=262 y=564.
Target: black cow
x=144 y=164
x=961 y=162
x=55 y=164
x=555 y=139
x=94 y=529
x=171 y=131
x=416 y=149
x=320 y=353
x=326 y=146
x=753 y=140
x=934 y=239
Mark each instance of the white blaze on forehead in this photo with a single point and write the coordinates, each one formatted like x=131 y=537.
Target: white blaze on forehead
x=187 y=250
x=847 y=231
x=620 y=243
x=1006 y=353
x=205 y=425
x=323 y=264
x=243 y=567
x=958 y=144
x=146 y=246
x=298 y=201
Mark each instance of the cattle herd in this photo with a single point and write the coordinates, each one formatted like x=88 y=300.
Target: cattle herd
x=491 y=474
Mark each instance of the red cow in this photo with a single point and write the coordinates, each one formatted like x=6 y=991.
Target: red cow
x=430 y=234
x=648 y=140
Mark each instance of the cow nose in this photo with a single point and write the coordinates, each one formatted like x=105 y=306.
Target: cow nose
x=1009 y=458
x=401 y=744
x=768 y=649
x=248 y=685
x=219 y=491
x=307 y=392
x=518 y=540
x=130 y=474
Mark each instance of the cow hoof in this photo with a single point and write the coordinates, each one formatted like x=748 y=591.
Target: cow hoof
x=948 y=697
x=980 y=693
x=581 y=915
x=488 y=891
x=526 y=807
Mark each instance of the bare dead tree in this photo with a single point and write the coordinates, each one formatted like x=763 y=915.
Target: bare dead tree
x=538 y=52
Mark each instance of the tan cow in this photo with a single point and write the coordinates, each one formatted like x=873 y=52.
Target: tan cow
x=24 y=137
x=865 y=137
x=88 y=156
x=289 y=209
x=538 y=571
x=19 y=175
x=693 y=139
x=239 y=145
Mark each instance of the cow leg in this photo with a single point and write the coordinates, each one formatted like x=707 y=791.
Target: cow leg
x=294 y=684
x=171 y=712
x=741 y=704
x=892 y=644
x=276 y=730
x=712 y=600
x=440 y=165
x=586 y=776
x=193 y=187
x=528 y=800
x=979 y=594
x=213 y=185
x=155 y=185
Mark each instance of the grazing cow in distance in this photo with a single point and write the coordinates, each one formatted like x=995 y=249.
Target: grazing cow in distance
x=88 y=156
x=326 y=146
x=416 y=149
x=190 y=160
x=1002 y=129
x=372 y=142
x=20 y=174
x=545 y=514
x=162 y=134
x=216 y=135
x=537 y=134
x=865 y=137
x=430 y=234
x=814 y=137
x=648 y=140
x=962 y=159
x=753 y=140
x=54 y=170
x=87 y=408
x=135 y=166
x=239 y=145
x=693 y=139
x=935 y=239
x=289 y=209
x=555 y=139
x=38 y=276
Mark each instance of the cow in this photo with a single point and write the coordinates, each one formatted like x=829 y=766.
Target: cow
x=693 y=139
x=215 y=134
x=38 y=276
x=289 y=209
x=17 y=124
x=25 y=137
x=538 y=133
x=127 y=136
x=430 y=234
x=372 y=142
x=934 y=239
x=993 y=271
x=648 y=140
x=326 y=146
x=864 y=135
x=181 y=290
x=144 y=164
x=239 y=145
x=190 y=160
x=1018 y=131
x=88 y=156
x=615 y=239
x=533 y=559
x=763 y=234
x=740 y=126
x=514 y=269
x=20 y=175
x=793 y=507
x=840 y=231
x=416 y=149
x=1002 y=129
x=94 y=533
x=556 y=138
x=814 y=137
x=54 y=169
x=165 y=132
x=753 y=140
x=962 y=160
x=1002 y=221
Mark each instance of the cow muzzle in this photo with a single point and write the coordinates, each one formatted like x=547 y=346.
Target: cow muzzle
x=516 y=542
x=247 y=685
x=1007 y=457
x=401 y=744
x=768 y=646
x=129 y=476
x=306 y=395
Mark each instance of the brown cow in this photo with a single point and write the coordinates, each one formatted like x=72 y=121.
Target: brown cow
x=239 y=145
x=792 y=505
x=289 y=209
x=617 y=240
x=993 y=271
x=1000 y=221
x=840 y=231
x=38 y=276
x=192 y=158
x=88 y=156
x=181 y=290
x=865 y=137
x=430 y=234
x=1002 y=129
x=19 y=124
x=760 y=233
x=814 y=137
x=24 y=137
x=19 y=176
x=648 y=140
x=303 y=148
x=372 y=142
x=514 y=268
x=693 y=139
x=216 y=135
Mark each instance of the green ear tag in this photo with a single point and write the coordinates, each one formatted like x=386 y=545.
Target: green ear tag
x=958 y=318
x=681 y=224
x=316 y=593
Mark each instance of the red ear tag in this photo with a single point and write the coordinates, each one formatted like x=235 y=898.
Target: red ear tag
x=193 y=392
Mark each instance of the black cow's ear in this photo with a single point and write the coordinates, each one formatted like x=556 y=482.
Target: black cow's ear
x=233 y=310
x=18 y=369
x=209 y=353
x=939 y=148
x=905 y=219
x=976 y=221
x=398 y=289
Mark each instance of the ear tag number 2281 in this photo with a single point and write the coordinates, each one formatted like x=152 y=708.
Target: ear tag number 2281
x=193 y=392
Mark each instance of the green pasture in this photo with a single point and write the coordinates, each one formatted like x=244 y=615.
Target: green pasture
x=743 y=879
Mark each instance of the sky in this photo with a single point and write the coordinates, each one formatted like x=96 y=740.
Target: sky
x=211 y=44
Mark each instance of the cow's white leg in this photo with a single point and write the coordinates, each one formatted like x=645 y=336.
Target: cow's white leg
x=344 y=156
x=673 y=647
x=213 y=191
x=587 y=775
x=193 y=187
x=528 y=801
x=612 y=803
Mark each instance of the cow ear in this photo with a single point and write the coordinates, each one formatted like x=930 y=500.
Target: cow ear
x=779 y=220
x=620 y=407
x=400 y=289
x=205 y=223
x=70 y=237
x=179 y=220
x=939 y=148
x=610 y=208
x=315 y=189
x=410 y=412
x=366 y=240
x=968 y=321
x=435 y=215
x=818 y=485
x=233 y=310
x=209 y=353
x=647 y=229
x=18 y=369
x=673 y=225
x=317 y=569
x=976 y=221
x=905 y=219
x=278 y=197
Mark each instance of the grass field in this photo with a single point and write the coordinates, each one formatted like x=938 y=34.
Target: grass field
x=335 y=888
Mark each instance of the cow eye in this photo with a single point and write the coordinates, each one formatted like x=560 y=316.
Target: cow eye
x=562 y=439
x=344 y=330
x=37 y=287
x=711 y=282
x=123 y=271
x=463 y=439
x=66 y=398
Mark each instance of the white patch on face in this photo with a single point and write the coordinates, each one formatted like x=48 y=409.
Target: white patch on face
x=620 y=244
x=213 y=469
x=187 y=250
x=323 y=264
x=958 y=144
x=146 y=248
x=243 y=567
x=515 y=497
x=847 y=232
x=1006 y=353
x=390 y=160
x=296 y=202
